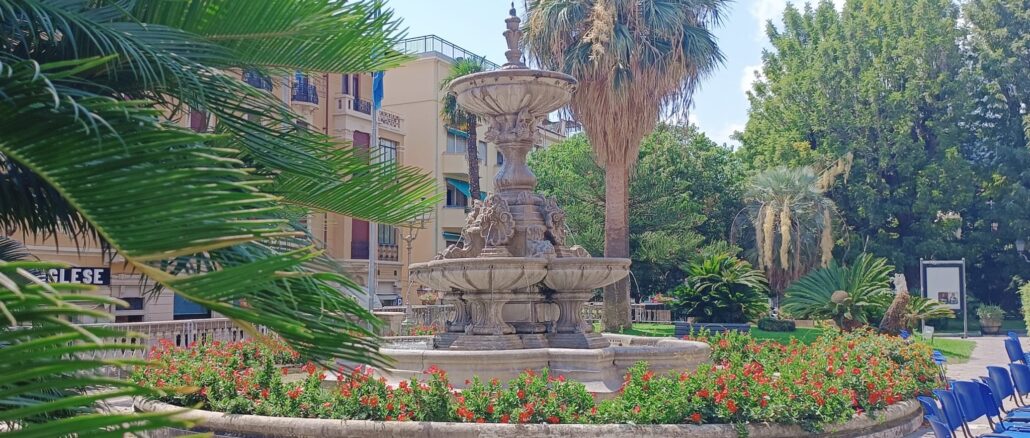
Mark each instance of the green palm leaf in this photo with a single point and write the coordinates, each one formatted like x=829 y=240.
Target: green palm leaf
x=865 y=286
x=51 y=379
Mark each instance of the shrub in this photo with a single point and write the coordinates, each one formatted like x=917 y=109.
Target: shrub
x=920 y=309
x=777 y=325
x=831 y=380
x=849 y=295
x=721 y=288
x=990 y=312
x=1024 y=296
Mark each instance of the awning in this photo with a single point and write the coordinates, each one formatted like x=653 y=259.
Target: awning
x=451 y=237
x=463 y=187
x=457 y=132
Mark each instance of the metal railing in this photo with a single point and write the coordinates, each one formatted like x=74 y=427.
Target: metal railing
x=257 y=80
x=361 y=106
x=435 y=44
x=638 y=313
x=307 y=93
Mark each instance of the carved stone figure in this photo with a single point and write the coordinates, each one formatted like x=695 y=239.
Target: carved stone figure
x=489 y=223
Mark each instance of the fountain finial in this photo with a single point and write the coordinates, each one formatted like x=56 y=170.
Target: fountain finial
x=513 y=36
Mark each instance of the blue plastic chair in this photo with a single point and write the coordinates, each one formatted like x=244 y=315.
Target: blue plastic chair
x=1016 y=418
x=930 y=407
x=952 y=411
x=1014 y=336
x=1021 y=378
x=975 y=400
x=940 y=430
x=1015 y=351
x=1001 y=383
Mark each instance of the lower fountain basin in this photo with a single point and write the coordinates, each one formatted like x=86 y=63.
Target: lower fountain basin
x=601 y=369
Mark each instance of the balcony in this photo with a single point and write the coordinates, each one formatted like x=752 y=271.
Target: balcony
x=347 y=105
x=434 y=45
x=305 y=93
x=387 y=253
x=454 y=163
x=257 y=80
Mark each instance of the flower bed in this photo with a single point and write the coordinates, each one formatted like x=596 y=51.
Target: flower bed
x=828 y=382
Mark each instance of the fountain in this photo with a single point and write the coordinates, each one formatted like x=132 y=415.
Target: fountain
x=513 y=270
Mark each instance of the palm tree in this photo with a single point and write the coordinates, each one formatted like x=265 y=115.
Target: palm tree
x=793 y=221
x=460 y=118
x=634 y=60
x=849 y=295
x=87 y=149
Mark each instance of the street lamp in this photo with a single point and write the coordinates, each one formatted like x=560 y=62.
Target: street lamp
x=411 y=229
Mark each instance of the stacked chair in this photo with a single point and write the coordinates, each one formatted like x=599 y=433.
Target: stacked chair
x=967 y=401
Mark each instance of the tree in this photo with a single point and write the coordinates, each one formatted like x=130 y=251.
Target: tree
x=683 y=196
x=792 y=219
x=463 y=119
x=884 y=81
x=87 y=149
x=634 y=61
x=1000 y=69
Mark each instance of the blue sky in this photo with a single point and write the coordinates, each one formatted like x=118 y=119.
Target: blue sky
x=720 y=105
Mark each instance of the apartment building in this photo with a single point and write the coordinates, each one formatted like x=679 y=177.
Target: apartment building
x=411 y=133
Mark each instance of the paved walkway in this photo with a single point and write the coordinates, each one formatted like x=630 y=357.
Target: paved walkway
x=989 y=350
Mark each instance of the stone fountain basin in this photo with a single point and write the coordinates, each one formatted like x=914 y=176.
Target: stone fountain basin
x=511 y=91
x=480 y=274
x=584 y=273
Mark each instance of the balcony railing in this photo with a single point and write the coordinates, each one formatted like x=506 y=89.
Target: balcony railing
x=361 y=106
x=435 y=44
x=307 y=93
x=257 y=80
x=387 y=253
x=390 y=119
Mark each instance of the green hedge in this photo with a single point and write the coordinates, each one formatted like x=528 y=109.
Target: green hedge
x=777 y=325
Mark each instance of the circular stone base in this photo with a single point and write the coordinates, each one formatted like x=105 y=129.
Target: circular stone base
x=600 y=369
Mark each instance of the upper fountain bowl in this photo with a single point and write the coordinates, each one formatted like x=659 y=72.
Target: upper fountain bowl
x=511 y=91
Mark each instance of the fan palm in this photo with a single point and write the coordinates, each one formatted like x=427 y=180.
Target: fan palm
x=793 y=221
x=457 y=116
x=86 y=89
x=921 y=309
x=634 y=61
x=849 y=295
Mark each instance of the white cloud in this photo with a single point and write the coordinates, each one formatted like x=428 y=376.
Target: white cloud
x=722 y=136
x=748 y=77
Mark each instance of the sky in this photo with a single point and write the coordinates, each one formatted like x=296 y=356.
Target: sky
x=720 y=105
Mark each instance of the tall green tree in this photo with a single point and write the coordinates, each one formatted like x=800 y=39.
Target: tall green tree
x=634 y=61
x=883 y=80
x=684 y=194
x=999 y=45
x=87 y=149
x=457 y=116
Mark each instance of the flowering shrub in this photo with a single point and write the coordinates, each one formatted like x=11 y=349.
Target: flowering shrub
x=829 y=381
x=424 y=330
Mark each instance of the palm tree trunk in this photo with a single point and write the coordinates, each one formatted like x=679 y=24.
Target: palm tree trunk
x=473 y=159
x=616 y=244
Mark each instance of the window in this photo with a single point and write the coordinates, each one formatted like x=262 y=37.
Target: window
x=198 y=120
x=387 y=235
x=388 y=150
x=455 y=198
x=134 y=303
x=345 y=84
x=128 y=318
x=456 y=144
x=482 y=152
x=500 y=158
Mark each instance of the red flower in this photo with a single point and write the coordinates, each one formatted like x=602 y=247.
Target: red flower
x=264 y=393
x=553 y=420
x=520 y=394
x=703 y=393
x=731 y=406
x=490 y=409
x=505 y=418
x=696 y=417
x=856 y=371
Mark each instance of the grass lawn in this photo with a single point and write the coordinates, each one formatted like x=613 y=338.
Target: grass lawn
x=957 y=349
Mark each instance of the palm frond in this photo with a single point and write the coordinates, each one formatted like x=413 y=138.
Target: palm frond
x=52 y=378
x=109 y=157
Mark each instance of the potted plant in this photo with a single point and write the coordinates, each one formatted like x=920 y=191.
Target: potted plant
x=428 y=297
x=990 y=318
x=721 y=293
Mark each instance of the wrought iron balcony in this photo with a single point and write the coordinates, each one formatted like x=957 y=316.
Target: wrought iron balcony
x=257 y=80
x=362 y=106
x=303 y=92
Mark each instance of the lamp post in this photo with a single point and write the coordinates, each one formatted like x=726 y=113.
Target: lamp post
x=411 y=227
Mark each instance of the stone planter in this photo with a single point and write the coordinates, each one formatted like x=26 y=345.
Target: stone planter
x=990 y=326
x=895 y=421
x=686 y=328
